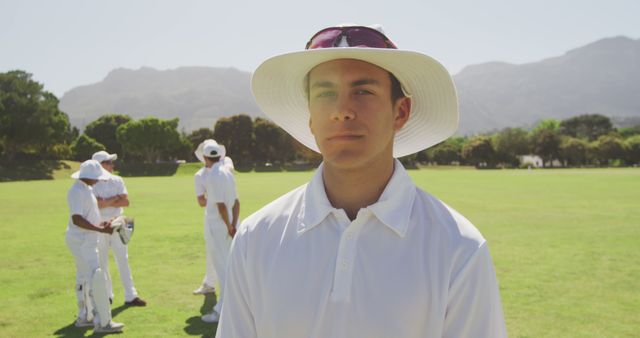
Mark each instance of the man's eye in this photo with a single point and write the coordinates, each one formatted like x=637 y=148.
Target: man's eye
x=363 y=92
x=327 y=94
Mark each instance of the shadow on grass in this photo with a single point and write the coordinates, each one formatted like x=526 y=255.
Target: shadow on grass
x=195 y=325
x=119 y=309
x=71 y=331
x=22 y=170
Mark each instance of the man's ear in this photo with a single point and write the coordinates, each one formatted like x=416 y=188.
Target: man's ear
x=402 y=111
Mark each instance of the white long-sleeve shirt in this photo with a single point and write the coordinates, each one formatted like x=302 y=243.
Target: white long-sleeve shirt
x=107 y=189
x=407 y=266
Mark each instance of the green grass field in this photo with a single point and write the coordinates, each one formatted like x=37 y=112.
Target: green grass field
x=566 y=245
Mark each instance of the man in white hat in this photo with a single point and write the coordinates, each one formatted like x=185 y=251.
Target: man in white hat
x=210 y=277
x=112 y=197
x=82 y=233
x=222 y=210
x=359 y=251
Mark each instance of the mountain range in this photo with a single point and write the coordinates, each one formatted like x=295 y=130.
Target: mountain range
x=600 y=78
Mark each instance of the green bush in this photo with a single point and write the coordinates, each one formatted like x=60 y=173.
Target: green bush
x=84 y=147
x=128 y=169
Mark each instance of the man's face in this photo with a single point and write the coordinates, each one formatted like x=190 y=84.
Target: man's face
x=352 y=116
x=89 y=181
x=107 y=165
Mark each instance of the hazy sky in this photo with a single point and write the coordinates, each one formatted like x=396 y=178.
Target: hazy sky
x=68 y=43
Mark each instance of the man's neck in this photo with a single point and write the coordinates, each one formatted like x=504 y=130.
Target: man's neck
x=353 y=189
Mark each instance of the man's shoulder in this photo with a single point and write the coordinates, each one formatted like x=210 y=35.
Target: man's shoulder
x=115 y=178
x=200 y=172
x=79 y=191
x=277 y=213
x=112 y=180
x=75 y=189
x=446 y=221
x=219 y=172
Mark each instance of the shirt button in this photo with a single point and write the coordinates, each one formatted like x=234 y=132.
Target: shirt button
x=345 y=265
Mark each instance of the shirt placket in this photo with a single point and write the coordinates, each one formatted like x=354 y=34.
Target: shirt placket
x=345 y=259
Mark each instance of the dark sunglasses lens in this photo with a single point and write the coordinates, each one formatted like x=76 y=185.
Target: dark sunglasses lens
x=360 y=37
x=325 y=39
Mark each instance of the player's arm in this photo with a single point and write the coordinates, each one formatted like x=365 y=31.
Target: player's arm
x=224 y=214
x=106 y=202
x=202 y=200
x=236 y=212
x=83 y=223
x=200 y=191
x=121 y=200
x=122 y=196
x=474 y=308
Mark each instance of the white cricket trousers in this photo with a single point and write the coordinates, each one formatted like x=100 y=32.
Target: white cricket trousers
x=210 y=276
x=217 y=235
x=91 y=289
x=121 y=256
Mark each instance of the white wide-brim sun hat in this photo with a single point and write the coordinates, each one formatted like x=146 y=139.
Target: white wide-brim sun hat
x=278 y=87
x=91 y=169
x=222 y=150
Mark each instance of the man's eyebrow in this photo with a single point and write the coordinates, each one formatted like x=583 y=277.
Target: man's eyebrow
x=323 y=84
x=364 y=82
x=356 y=83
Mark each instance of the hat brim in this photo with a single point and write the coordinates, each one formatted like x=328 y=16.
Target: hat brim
x=199 y=152
x=104 y=175
x=278 y=87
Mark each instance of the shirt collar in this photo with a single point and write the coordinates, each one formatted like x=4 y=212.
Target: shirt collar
x=316 y=205
x=393 y=208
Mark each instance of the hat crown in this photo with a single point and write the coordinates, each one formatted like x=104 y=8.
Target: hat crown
x=102 y=156
x=90 y=169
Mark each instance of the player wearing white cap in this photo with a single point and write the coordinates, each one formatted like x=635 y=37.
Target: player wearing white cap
x=210 y=278
x=112 y=197
x=222 y=210
x=82 y=233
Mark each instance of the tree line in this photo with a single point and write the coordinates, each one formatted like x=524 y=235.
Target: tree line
x=584 y=140
x=33 y=127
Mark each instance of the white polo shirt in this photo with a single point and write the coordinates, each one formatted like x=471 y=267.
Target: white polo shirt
x=228 y=162
x=82 y=202
x=199 y=180
x=109 y=188
x=220 y=187
x=407 y=266
x=199 y=176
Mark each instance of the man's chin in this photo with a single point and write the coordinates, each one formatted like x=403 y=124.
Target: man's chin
x=345 y=159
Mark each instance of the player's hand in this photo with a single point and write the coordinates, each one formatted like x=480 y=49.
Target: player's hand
x=106 y=227
x=232 y=230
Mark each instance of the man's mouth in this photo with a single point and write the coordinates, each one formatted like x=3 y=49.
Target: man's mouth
x=345 y=137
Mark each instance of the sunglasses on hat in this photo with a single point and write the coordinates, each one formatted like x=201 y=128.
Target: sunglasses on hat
x=355 y=36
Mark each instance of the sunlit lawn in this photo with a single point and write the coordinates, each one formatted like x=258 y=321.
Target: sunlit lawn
x=566 y=245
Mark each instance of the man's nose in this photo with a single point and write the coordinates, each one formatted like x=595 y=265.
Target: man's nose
x=344 y=110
